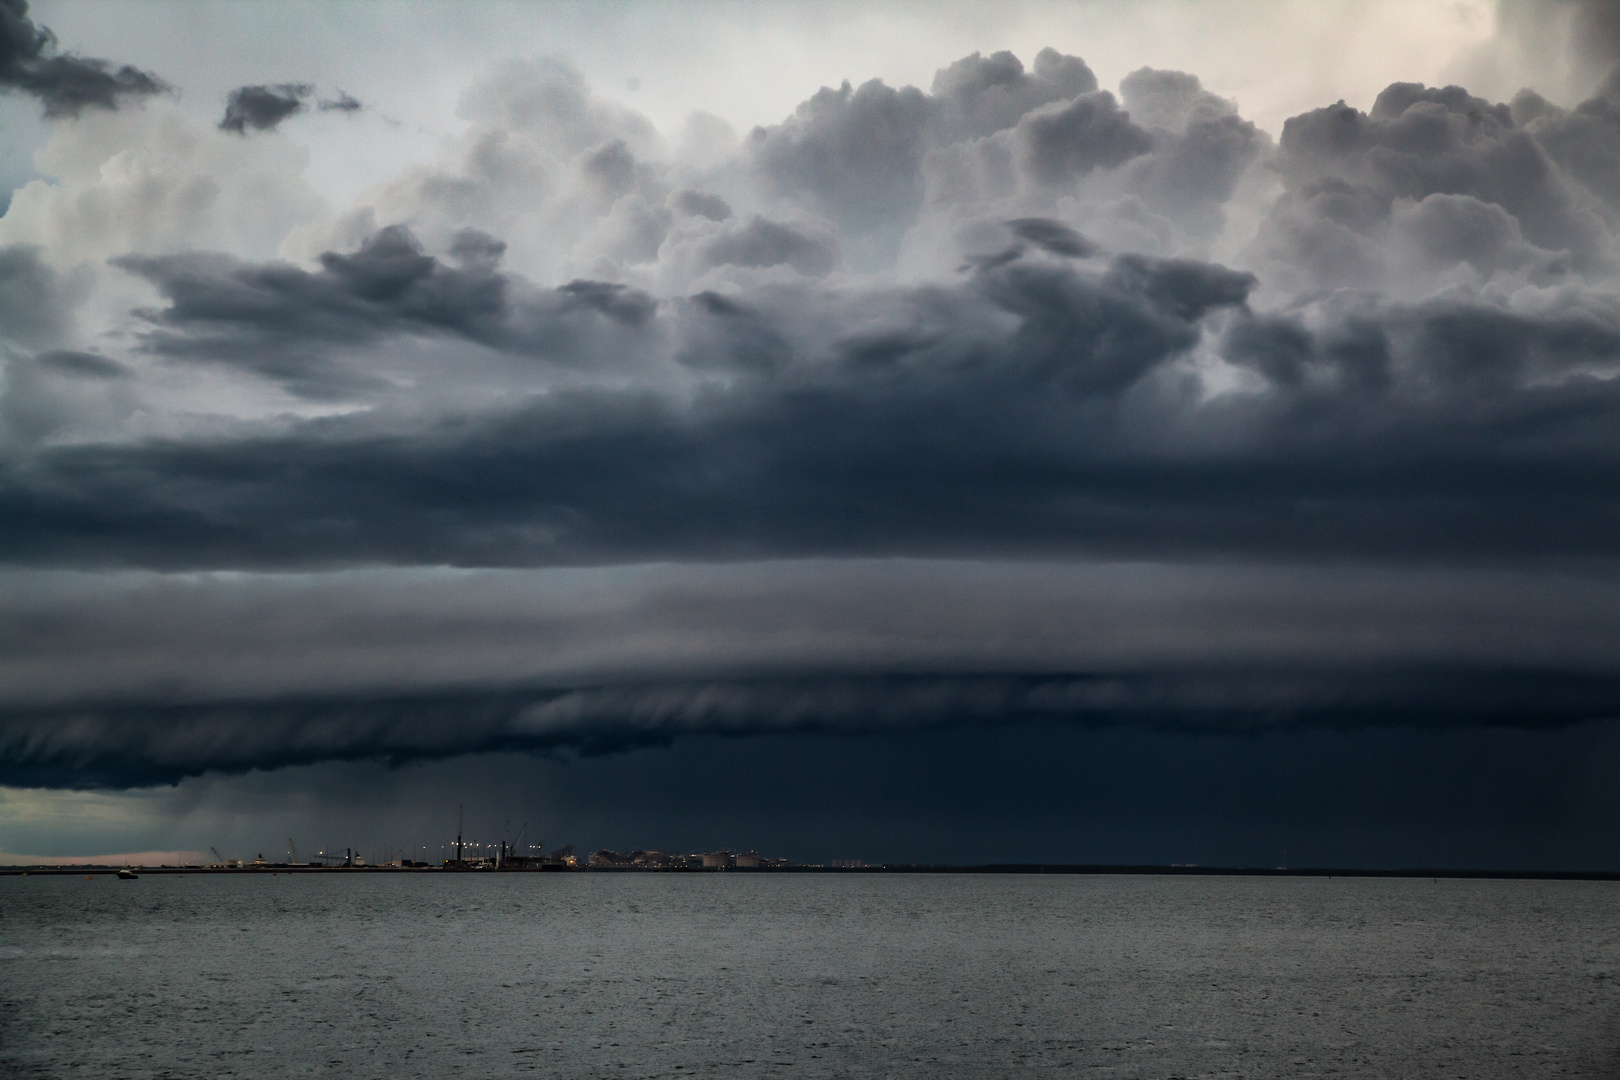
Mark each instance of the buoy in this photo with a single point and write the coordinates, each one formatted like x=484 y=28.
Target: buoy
x=87 y=877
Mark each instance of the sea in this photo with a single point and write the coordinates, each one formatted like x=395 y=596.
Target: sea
x=629 y=975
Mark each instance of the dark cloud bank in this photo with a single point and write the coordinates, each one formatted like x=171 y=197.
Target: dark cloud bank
x=1409 y=362
x=1034 y=408
x=127 y=746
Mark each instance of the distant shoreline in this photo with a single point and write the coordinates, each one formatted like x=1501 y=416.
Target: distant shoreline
x=991 y=868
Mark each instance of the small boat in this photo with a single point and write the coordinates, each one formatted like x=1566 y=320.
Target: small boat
x=127 y=874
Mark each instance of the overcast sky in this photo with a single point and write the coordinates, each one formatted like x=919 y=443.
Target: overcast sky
x=1050 y=431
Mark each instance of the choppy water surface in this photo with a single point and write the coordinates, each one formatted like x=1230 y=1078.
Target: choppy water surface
x=745 y=975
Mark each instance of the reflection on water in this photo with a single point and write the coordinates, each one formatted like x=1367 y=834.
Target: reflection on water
x=741 y=975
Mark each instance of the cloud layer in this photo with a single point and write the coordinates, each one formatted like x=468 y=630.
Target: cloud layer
x=139 y=677
x=1016 y=316
x=1409 y=353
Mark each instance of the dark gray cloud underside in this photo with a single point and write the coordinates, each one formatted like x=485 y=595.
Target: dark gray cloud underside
x=124 y=746
x=924 y=442
x=263 y=107
x=282 y=321
x=64 y=84
x=1441 y=430
x=897 y=477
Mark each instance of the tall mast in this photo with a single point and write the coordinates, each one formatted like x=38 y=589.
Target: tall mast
x=459 y=816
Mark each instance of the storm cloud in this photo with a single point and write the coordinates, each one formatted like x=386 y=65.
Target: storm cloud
x=65 y=84
x=133 y=746
x=1038 y=405
x=282 y=320
x=138 y=678
x=1333 y=401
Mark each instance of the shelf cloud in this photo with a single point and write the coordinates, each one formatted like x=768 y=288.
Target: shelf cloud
x=1113 y=359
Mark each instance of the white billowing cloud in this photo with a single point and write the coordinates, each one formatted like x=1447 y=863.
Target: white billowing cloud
x=145 y=179
x=754 y=65
x=573 y=184
x=150 y=179
x=855 y=179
